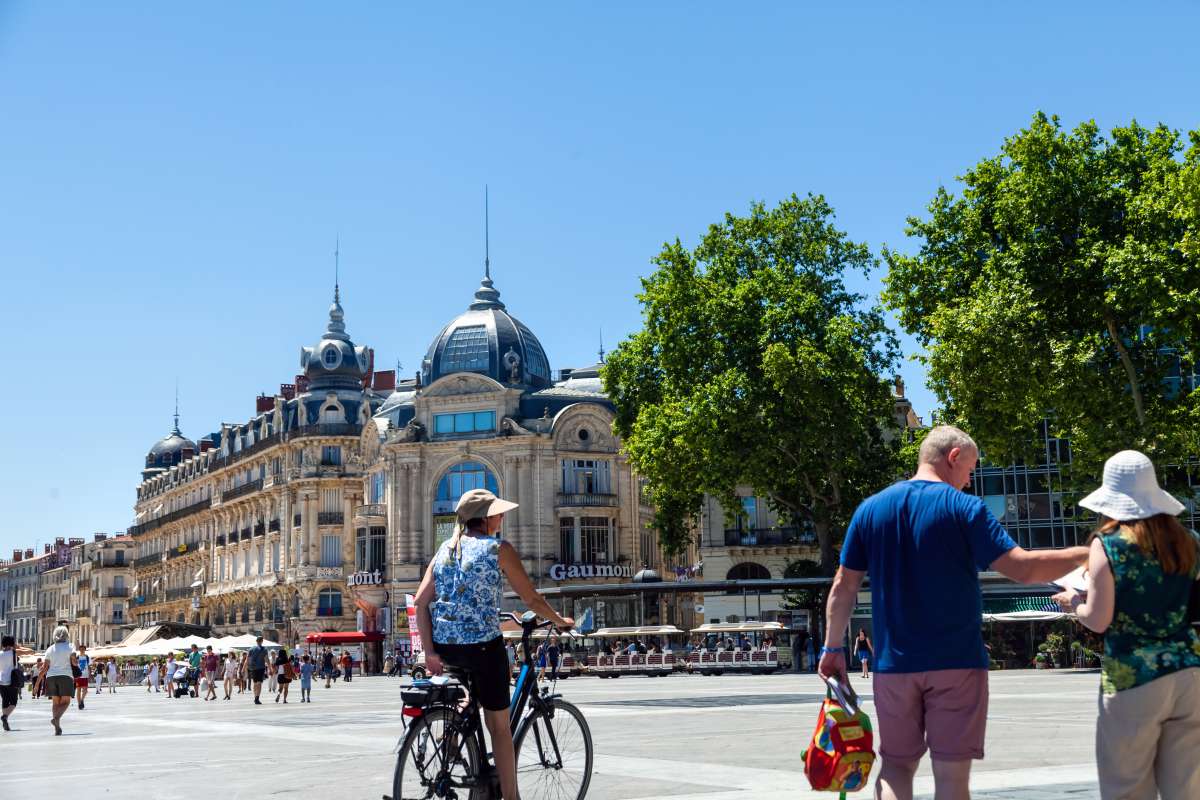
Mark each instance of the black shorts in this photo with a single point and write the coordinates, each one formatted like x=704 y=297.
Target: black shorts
x=486 y=665
x=8 y=696
x=258 y=675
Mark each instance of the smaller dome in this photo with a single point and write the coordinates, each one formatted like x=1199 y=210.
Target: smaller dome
x=172 y=443
x=646 y=575
x=335 y=362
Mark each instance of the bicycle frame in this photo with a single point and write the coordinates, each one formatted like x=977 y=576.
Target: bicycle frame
x=467 y=720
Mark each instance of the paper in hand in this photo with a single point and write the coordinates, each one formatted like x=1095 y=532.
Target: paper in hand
x=1075 y=579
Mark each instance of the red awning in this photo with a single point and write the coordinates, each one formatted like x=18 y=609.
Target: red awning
x=344 y=637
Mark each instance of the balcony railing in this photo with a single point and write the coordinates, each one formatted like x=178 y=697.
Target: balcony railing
x=178 y=513
x=260 y=530
x=221 y=462
x=335 y=429
x=180 y=593
x=586 y=499
x=115 y=591
x=768 y=537
x=241 y=491
x=83 y=613
x=371 y=510
x=329 y=612
x=330 y=517
x=110 y=563
x=273 y=525
x=146 y=561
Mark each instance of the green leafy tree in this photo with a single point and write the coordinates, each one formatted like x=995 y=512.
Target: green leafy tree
x=757 y=366
x=1064 y=283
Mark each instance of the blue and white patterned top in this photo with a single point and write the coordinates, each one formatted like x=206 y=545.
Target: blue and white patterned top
x=466 y=583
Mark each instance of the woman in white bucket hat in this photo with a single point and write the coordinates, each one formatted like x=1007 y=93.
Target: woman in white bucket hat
x=1141 y=568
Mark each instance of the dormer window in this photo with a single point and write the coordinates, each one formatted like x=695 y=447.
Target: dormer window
x=331 y=357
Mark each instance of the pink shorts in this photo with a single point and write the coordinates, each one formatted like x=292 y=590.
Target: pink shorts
x=944 y=709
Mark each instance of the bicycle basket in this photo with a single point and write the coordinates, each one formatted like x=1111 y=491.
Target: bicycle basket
x=425 y=693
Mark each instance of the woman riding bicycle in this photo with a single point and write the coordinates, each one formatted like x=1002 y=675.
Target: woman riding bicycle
x=458 y=615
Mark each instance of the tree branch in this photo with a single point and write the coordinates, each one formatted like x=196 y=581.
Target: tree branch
x=1130 y=371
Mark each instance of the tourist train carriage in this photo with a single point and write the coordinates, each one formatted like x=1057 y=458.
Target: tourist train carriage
x=651 y=664
x=757 y=659
x=567 y=641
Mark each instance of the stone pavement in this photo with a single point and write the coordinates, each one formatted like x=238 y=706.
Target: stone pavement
x=682 y=737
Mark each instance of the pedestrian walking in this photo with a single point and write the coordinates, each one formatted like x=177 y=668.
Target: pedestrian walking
x=112 y=676
x=210 y=663
x=256 y=661
x=306 y=672
x=273 y=673
x=347 y=666
x=232 y=665
x=10 y=677
x=243 y=672
x=58 y=676
x=327 y=666
x=923 y=542
x=83 y=679
x=286 y=673
x=1142 y=565
x=194 y=669
x=170 y=675
x=862 y=651
x=154 y=676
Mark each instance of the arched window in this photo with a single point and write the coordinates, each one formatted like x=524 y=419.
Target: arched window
x=329 y=603
x=276 y=610
x=457 y=481
x=245 y=612
x=747 y=571
x=331 y=415
x=295 y=604
x=258 y=612
x=220 y=620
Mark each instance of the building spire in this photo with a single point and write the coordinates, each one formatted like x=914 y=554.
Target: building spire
x=337 y=247
x=175 y=430
x=486 y=296
x=602 y=345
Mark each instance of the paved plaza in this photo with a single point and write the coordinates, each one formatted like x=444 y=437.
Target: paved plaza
x=716 y=738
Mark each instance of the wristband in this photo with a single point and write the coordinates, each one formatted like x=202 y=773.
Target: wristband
x=825 y=650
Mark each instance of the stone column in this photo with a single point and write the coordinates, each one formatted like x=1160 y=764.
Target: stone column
x=527 y=536
x=305 y=527
x=348 y=500
x=401 y=516
x=416 y=515
x=510 y=491
x=287 y=558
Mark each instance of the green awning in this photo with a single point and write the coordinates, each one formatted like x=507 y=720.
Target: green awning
x=1009 y=605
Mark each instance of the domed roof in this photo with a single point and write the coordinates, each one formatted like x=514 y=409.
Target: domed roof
x=335 y=362
x=646 y=575
x=486 y=339
x=172 y=443
x=170 y=450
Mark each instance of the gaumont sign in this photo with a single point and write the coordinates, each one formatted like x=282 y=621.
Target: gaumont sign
x=365 y=579
x=560 y=572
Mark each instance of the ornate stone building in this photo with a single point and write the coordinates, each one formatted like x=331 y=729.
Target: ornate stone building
x=487 y=411
x=250 y=529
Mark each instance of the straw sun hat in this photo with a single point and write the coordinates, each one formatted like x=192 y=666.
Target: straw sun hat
x=1130 y=490
x=480 y=504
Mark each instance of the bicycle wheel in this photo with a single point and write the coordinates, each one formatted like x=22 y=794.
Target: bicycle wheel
x=430 y=767
x=554 y=754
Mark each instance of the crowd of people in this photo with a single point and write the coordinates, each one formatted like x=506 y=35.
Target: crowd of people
x=65 y=673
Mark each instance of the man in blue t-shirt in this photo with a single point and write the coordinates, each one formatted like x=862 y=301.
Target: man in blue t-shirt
x=923 y=542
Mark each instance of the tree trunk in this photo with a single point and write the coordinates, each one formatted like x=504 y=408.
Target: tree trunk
x=829 y=556
x=1130 y=372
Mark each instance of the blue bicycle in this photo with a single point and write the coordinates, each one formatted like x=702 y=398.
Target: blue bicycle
x=444 y=752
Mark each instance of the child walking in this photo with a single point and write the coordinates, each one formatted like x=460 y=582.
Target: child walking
x=307 y=667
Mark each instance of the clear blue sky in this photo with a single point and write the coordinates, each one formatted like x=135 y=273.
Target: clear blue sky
x=172 y=180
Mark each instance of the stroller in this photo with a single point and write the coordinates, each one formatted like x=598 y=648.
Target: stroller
x=183 y=680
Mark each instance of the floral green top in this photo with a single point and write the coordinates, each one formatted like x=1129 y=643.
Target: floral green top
x=1149 y=636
